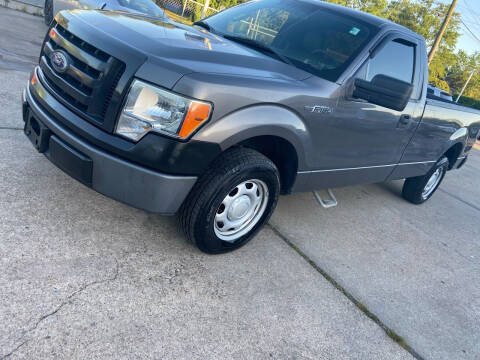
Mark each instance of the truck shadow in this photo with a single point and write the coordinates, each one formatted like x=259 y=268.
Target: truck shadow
x=394 y=187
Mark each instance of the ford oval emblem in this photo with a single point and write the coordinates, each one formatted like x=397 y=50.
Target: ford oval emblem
x=60 y=61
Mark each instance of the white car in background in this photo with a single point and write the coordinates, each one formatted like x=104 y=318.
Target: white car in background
x=148 y=7
x=439 y=93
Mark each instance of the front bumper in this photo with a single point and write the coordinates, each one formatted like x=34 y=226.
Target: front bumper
x=112 y=176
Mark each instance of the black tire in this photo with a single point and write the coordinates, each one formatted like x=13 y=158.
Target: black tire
x=415 y=188
x=48 y=12
x=234 y=167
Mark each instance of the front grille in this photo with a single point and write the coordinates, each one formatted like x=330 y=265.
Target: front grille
x=88 y=84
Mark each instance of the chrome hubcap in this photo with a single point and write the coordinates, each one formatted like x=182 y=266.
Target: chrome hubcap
x=241 y=210
x=432 y=183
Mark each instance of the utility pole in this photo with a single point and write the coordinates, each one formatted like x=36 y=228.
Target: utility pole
x=205 y=8
x=466 y=84
x=438 y=39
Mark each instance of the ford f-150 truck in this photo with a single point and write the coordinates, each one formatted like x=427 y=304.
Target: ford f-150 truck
x=213 y=121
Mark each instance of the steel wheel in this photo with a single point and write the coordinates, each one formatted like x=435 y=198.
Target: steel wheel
x=231 y=202
x=432 y=183
x=241 y=210
x=419 y=189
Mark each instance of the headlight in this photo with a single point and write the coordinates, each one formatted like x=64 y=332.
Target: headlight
x=149 y=108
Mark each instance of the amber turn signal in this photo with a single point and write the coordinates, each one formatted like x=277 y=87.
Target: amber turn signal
x=197 y=114
x=34 y=80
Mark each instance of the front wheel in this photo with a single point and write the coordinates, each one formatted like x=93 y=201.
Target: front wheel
x=231 y=202
x=419 y=189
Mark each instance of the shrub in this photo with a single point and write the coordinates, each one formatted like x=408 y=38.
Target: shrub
x=470 y=102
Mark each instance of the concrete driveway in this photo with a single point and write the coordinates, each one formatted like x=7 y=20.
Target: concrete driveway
x=84 y=277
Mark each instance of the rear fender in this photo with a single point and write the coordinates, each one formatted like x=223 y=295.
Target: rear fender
x=458 y=139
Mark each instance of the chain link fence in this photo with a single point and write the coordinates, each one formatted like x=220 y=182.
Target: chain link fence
x=192 y=10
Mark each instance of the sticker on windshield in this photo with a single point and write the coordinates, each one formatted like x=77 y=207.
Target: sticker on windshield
x=354 y=31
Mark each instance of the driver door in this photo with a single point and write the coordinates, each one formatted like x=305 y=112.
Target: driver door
x=361 y=142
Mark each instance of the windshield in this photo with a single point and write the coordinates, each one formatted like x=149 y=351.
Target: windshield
x=312 y=38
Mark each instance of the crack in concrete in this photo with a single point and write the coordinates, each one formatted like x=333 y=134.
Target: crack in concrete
x=10 y=128
x=390 y=332
x=68 y=300
x=15 y=349
x=460 y=199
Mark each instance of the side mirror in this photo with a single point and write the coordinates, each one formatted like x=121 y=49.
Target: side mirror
x=384 y=91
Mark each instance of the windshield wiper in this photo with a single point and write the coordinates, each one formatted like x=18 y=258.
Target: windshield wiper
x=258 y=46
x=204 y=25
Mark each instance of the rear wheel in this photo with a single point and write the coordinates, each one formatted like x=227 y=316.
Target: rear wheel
x=419 y=189
x=48 y=12
x=231 y=202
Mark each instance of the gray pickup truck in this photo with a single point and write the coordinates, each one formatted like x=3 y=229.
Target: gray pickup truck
x=213 y=121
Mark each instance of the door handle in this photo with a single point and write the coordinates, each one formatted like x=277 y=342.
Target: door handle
x=404 y=119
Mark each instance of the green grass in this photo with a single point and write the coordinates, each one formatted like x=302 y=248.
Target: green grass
x=177 y=18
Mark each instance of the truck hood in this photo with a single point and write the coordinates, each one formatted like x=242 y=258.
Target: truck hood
x=189 y=48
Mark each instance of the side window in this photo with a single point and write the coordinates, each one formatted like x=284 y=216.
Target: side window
x=396 y=59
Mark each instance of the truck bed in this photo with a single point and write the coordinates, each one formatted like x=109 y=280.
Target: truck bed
x=438 y=101
x=450 y=121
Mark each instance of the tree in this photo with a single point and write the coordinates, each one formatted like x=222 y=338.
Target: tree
x=448 y=70
x=458 y=74
x=196 y=14
x=424 y=18
x=375 y=7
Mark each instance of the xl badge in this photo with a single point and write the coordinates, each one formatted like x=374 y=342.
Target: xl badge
x=320 y=109
x=59 y=61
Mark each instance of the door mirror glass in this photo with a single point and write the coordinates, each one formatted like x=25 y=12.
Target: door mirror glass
x=384 y=91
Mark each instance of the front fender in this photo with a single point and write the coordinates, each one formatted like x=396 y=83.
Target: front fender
x=259 y=120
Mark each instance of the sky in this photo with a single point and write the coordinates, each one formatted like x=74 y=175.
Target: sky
x=470 y=12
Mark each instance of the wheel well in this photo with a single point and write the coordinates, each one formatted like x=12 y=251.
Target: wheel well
x=281 y=153
x=453 y=153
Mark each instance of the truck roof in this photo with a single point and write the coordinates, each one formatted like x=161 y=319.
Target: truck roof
x=365 y=17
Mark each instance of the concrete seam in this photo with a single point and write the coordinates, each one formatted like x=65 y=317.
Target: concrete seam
x=460 y=199
x=390 y=332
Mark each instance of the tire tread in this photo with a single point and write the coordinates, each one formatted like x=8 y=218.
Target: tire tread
x=413 y=187
x=225 y=166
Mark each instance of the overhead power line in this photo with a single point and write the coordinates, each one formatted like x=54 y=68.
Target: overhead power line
x=472 y=12
x=462 y=16
x=470 y=31
x=470 y=18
